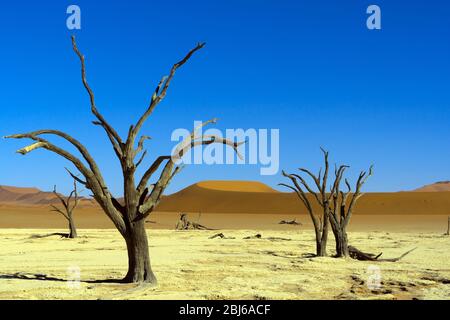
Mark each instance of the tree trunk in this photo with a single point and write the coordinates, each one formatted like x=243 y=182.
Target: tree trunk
x=72 y=228
x=321 y=248
x=341 y=244
x=139 y=269
x=321 y=243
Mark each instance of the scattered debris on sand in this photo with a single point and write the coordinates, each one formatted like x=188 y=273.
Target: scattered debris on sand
x=293 y=222
x=184 y=224
x=259 y=236
x=256 y=236
x=220 y=235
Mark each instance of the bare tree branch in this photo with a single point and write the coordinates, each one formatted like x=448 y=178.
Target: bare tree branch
x=56 y=209
x=302 y=196
x=78 y=179
x=150 y=171
x=100 y=191
x=141 y=159
x=83 y=151
x=112 y=134
x=141 y=144
x=157 y=97
x=360 y=182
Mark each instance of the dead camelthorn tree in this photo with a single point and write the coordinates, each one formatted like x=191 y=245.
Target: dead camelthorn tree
x=342 y=208
x=69 y=205
x=336 y=205
x=319 y=219
x=139 y=198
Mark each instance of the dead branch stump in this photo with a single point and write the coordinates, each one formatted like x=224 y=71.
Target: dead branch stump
x=364 y=256
x=220 y=235
x=293 y=222
x=185 y=224
x=256 y=236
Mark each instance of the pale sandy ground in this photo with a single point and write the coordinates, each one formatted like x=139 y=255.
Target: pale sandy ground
x=191 y=266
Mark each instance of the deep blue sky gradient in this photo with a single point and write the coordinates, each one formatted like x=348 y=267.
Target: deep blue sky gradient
x=310 y=68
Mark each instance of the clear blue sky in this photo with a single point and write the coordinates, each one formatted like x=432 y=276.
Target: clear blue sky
x=310 y=68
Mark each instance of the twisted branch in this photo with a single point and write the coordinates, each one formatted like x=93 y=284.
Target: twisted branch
x=113 y=136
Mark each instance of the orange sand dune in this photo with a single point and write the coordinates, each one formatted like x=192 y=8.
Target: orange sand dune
x=225 y=204
x=251 y=197
x=235 y=185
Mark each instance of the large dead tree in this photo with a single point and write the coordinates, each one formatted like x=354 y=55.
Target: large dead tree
x=319 y=194
x=69 y=204
x=140 y=198
x=342 y=207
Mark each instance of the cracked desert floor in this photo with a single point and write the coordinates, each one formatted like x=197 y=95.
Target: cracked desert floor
x=189 y=265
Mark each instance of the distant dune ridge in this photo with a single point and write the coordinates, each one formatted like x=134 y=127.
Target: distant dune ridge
x=16 y=195
x=252 y=197
x=28 y=196
x=435 y=187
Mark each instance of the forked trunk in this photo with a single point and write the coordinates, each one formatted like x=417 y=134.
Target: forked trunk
x=321 y=248
x=321 y=243
x=139 y=268
x=341 y=244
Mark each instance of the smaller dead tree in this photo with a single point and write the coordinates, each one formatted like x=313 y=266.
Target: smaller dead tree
x=69 y=205
x=448 y=228
x=319 y=219
x=336 y=206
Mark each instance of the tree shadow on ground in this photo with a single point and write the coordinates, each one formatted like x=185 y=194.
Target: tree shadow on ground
x=40 y=236
x=44 y=277
x=302 y=256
